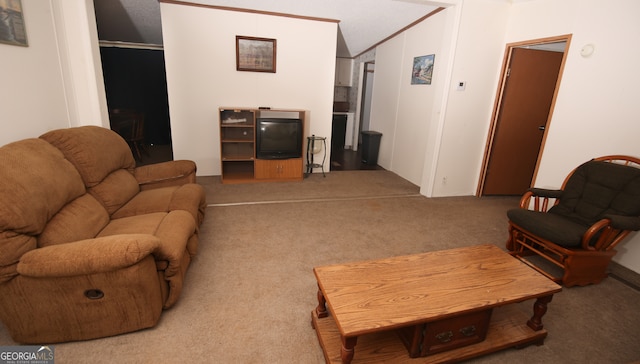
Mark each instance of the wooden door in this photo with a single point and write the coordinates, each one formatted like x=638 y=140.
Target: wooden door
x=522 y=119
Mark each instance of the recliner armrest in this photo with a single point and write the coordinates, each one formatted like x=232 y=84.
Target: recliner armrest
x=89 y=256
x=624 y=222
x=171 y=173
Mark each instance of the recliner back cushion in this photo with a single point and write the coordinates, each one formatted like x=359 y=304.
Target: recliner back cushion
x=36 y=181
x=103 y=159
x=94 y=151
x=599 y=188
x=81 y=219
x=116 y=190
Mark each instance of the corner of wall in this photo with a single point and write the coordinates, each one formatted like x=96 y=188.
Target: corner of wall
x=77 y=37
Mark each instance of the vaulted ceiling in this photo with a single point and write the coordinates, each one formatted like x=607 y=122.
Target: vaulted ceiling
x=363 y=23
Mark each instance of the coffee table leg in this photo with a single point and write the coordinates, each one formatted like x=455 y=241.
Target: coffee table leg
x=321 y=310
x=539 y=309
x=348 y=345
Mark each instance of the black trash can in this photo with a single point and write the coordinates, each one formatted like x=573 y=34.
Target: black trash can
x=370 y=146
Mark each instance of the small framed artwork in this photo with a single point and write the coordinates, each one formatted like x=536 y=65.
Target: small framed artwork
x=12 y=29
x=255 y=54
x=422 y=70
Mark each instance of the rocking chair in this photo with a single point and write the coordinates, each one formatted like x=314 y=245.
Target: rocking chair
x=578 y=226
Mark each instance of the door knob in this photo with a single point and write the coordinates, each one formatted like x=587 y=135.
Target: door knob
x=541 y=127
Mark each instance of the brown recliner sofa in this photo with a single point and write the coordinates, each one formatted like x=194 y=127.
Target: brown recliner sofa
x=90 y=245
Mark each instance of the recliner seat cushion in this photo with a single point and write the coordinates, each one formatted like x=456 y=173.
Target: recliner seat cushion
x=189 y=197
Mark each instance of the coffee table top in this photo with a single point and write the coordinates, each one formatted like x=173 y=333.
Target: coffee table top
x=377 y=295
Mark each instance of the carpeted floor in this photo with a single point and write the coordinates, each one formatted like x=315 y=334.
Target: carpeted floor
x=249 y=292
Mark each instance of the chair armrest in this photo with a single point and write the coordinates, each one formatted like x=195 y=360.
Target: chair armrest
x=89 y=256
x=541 y=198
x=624 y=222
x=609 y=231
x=543 y=192
x=171 y=173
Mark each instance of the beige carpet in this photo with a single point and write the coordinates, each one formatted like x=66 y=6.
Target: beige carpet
x=336 y=185
x=250 y=291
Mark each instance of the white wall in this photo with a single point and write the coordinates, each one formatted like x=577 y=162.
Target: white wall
x=477 y=61
x=385 y=93
x=199 y=46
x=433 y=135
x=55 y=82
x=77 y=35
x=32 y=96
x=418 y=105
x=410 y=116
x=597 y=107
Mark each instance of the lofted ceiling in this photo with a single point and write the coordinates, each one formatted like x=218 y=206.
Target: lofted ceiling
x=363 y=23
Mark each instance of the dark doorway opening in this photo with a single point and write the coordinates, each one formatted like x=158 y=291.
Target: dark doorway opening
x=135 y=81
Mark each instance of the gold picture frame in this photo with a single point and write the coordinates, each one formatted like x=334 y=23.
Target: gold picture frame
x=12 y=27
x=255 y=54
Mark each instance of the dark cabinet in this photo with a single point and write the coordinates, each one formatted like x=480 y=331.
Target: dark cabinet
x=338 y=131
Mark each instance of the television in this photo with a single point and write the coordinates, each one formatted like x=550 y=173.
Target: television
x=278 y=138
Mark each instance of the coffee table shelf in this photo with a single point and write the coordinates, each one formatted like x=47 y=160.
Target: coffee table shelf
x=507 y=329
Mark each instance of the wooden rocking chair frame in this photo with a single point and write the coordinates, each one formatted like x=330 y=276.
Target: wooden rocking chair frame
x=584 y=265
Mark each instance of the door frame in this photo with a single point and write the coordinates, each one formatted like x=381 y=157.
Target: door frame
x=499 y=98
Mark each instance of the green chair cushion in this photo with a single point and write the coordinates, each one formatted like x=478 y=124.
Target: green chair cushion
x=552 y=227
x=594 y=191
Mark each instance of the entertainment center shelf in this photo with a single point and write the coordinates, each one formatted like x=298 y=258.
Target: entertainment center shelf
x=261 y=145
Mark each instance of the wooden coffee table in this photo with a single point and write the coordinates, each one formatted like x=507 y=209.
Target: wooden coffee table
x=429 y=307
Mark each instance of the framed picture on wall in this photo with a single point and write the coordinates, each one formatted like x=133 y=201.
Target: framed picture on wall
x=12 y=29
x=255 y=54
x=422 y=70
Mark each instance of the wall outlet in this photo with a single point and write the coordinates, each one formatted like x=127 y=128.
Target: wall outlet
x=461 y=86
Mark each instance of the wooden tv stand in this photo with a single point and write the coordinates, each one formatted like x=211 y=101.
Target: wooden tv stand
x=238 y=147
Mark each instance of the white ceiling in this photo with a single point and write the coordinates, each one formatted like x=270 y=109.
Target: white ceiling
x=363 y=23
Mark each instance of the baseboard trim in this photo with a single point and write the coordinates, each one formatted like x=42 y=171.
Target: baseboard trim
x=625 y=275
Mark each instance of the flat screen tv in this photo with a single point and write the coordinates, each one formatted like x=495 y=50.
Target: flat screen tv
x=278 y=138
